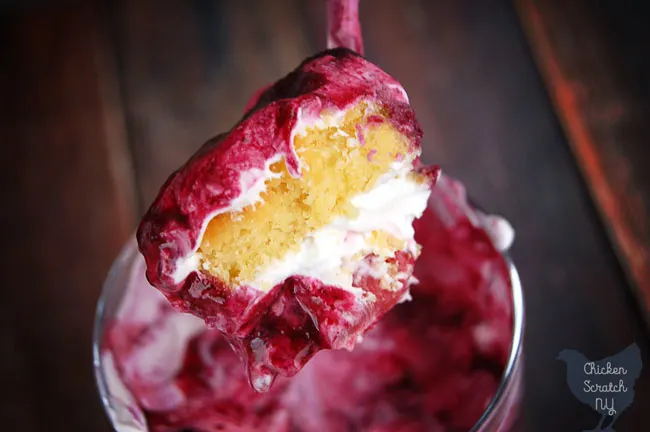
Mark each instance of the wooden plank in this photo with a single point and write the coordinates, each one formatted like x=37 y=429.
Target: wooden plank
x=67 y=209
x=184 y=86
x=487 y=120
x=604 y=112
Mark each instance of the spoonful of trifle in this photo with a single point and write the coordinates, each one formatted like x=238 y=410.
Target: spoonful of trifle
x=292 y=232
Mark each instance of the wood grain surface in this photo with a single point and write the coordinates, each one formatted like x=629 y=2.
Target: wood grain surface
x=66 y=210
x=185 y=70
x=486 y=117
x=589 y=57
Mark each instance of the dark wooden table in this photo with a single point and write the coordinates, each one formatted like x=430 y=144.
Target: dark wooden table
x=540 y=108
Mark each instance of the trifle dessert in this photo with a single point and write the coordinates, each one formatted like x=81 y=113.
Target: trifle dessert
x=446 y=360
x=305 y=272
x=292 y=232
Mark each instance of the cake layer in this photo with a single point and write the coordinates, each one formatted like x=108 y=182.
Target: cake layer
x=343 y=157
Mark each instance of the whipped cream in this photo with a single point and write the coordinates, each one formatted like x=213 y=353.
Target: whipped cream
x=306 y=121
x=390 y=206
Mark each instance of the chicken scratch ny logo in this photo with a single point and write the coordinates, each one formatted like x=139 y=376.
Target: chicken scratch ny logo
x=606 y=385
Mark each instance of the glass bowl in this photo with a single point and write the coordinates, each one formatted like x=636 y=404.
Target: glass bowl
x=126 y=416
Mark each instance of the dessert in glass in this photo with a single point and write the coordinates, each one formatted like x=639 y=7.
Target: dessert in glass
x=305 y=272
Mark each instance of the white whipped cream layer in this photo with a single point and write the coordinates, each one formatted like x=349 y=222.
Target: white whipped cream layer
x=328 y=254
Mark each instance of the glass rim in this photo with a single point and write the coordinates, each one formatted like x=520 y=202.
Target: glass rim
x=516 y=344
x=123 y=258
x=130 y=248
